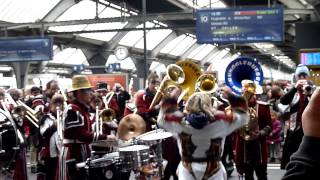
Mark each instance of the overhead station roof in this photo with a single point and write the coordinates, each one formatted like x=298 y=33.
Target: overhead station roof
x=76 y=42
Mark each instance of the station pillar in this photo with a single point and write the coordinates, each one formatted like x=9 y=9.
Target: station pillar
x=21 y=71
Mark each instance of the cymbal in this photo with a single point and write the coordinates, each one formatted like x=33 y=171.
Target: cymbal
x=155 y=135
x=131 y=126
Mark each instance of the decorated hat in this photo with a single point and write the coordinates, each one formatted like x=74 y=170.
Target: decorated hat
x=251 y=86
x=80 y=82
x=302 y=69
x=102 y=86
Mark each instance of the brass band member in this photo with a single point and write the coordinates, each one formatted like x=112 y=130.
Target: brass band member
x=200 y=134
x=77 y=130
x=143 y=99
x=50 y=142
x=251 y=144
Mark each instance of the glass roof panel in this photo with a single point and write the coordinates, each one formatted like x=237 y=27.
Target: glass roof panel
x=77 y=11
x=127 y=63
x=154 y=37
x=203 y=3
x=219 y=56
x=133 y=37
x=205 y=51
x=71 y=56
x=157 y=67
x=172 y=44
x=214 y=4
x=19 y=11
x=196 y=51
x=183 y=46
x=90 y=8
x=104 y=36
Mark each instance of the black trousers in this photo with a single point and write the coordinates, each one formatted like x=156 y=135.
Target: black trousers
x=50 y=168
x=259 y=169
x=291 y=145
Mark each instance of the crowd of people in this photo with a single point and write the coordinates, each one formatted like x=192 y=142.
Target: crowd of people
x=207 y=136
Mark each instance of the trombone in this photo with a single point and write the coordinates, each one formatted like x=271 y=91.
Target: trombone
x=106 y=115
x=31 y=114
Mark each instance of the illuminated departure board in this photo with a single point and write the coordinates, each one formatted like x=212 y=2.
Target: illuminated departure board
x=245 y=25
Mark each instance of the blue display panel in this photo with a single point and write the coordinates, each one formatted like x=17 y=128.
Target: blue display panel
x=243 y=25
x=26 y=49
x=310 y=58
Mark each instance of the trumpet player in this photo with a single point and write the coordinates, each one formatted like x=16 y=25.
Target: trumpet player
x=77 y=131
x=111 y=102
x=49 y=137
x=251 y=145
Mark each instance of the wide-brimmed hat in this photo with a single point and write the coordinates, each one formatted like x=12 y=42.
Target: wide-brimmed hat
x=80 y=82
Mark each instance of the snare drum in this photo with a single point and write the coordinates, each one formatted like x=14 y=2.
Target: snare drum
x=133 y=157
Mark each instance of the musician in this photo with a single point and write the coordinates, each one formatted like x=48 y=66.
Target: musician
x=200 y=133
x=143 y=99
x=102 y=90
x=52 y=88
x=50 y=141
x=297 y=98
x=96 y=102
x=77 y=130
x=251 y=145
x=20 y=170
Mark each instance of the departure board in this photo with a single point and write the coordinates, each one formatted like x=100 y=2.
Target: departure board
x=26 y=49
x=245 y=25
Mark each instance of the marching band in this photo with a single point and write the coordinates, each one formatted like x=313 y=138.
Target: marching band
x=175 y=127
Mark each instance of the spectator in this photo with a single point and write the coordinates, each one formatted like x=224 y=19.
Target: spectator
x=297 y=99
x=274 y=138
x=304 y=164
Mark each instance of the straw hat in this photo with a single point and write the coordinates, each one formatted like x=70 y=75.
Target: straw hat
x=80 y=82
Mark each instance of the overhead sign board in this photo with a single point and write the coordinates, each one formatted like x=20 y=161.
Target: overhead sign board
x=26 y=49
x=240 y=25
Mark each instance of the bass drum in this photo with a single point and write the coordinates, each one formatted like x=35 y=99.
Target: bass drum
x=9 y=142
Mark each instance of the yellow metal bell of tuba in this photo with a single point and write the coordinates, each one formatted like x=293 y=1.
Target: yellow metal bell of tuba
x=174 y=77
x=192 y=72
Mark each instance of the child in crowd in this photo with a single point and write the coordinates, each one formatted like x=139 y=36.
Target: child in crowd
x=274 y=138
